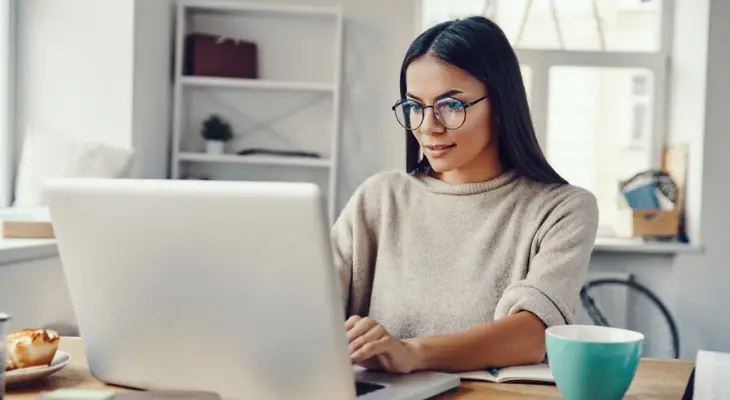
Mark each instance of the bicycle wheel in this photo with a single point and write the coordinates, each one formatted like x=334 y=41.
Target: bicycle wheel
x=630 y=305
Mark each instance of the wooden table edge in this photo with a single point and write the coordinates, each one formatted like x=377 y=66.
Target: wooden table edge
x=655 y=379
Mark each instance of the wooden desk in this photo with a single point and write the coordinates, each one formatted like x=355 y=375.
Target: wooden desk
x=655 y=379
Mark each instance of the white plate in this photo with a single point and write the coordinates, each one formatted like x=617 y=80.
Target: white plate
x=60 y=360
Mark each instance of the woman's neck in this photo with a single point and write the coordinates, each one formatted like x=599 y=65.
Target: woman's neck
x=481 y=169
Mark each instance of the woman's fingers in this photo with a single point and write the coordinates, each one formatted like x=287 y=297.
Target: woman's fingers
x=350 y=323
x=372 y=349
x=360 y=328
x=372 y=364
x=372 y=335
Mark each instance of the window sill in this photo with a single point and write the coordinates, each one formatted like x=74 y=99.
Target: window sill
x=638 y=246
x=19 y=250
x=14 y=250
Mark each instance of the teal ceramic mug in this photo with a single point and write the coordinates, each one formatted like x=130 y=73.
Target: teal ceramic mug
x=593 y=362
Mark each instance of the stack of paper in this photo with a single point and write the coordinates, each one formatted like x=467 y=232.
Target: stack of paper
x=712 y=374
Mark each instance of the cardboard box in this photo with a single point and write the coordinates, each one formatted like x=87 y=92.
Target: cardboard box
x=658 y=223
x=652 y=223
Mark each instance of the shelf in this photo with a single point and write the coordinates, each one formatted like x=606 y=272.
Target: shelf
x=639 y=246
x=260 y=84
x=257 y=7
x=307 y=71
x=256 y=160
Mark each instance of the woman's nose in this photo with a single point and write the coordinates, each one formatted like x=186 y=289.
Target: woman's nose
x=430 y=125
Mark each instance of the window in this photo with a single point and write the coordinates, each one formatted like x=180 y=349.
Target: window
x=6 y=99
x=596 y=76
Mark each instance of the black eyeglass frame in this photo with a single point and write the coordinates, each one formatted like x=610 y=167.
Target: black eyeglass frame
x=423 y=115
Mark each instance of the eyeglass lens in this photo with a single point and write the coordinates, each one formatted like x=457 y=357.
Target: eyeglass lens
x=449 y=112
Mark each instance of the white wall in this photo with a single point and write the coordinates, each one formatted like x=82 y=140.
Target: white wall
x=34 y=293
x=706 y=288
x=152 y=93
x=7 y=36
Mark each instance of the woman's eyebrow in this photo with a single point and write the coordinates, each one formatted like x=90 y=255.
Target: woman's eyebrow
x=449 y=93
x=445 y=94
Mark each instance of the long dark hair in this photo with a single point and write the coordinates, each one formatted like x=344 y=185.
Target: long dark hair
x=479 y=47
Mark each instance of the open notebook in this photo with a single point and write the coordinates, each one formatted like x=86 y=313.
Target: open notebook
x=538 y=373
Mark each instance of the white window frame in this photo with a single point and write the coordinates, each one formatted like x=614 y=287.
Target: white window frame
x=540 y=61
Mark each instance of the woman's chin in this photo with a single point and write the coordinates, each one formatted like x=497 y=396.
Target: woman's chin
x=441 y=166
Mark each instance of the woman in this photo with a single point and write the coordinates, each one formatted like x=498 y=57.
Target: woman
x=461 y=262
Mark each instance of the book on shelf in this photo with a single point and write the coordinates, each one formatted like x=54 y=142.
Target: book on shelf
x=26 y=223
x=538 y=373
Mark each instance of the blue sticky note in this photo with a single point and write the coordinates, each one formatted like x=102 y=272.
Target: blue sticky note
x=643 y=198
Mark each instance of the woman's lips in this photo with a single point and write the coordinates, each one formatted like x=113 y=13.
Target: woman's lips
x=438 y=150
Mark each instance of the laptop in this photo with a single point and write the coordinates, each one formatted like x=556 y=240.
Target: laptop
x=215 y=286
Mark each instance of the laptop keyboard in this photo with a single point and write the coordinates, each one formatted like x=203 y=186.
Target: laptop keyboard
x=363 y=388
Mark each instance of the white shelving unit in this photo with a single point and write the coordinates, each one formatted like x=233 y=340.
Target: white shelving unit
x=256 y=159
x=232 y=83
x=295 y=73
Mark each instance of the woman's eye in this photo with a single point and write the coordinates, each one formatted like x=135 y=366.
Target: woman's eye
x=453 y=105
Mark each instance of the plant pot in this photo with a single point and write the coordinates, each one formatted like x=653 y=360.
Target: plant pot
x=214 y=146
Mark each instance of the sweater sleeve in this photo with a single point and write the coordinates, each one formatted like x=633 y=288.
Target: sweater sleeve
x=354 y=247
x=558 y=269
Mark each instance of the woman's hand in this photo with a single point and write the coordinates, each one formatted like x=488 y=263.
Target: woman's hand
x=372 y=347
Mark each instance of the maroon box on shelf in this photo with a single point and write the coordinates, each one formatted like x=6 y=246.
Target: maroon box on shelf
x=213 y=55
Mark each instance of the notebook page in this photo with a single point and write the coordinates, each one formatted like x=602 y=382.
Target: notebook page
x=479 y=376
x=536 y=373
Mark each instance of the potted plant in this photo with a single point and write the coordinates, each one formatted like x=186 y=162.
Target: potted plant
x=216 y=132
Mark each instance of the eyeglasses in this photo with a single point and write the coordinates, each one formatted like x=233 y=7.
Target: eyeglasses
x=450 y=112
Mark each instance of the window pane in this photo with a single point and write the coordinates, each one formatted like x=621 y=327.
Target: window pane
x=599 y=25
x=600 y=129
x=436 y=11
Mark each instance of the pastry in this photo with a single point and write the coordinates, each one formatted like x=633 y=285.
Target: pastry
x=30 y=347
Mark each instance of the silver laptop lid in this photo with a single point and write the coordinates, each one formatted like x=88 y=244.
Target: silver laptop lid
x=225 y=286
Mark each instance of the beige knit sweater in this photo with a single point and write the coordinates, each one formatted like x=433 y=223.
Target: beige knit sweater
x=425 y=257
